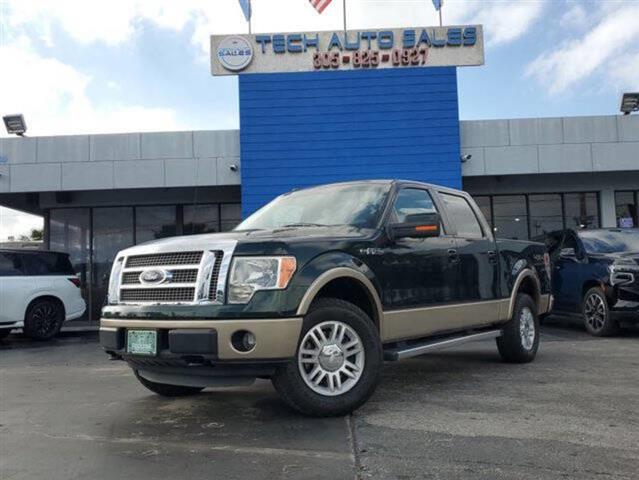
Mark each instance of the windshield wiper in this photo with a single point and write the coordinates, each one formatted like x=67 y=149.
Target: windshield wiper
x=291 y=225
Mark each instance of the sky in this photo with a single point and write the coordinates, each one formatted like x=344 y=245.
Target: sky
x=97 y=66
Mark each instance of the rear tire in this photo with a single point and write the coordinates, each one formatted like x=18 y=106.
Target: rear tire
x=167 y=390
x=519 y=341
x=596 y=314
x=338 y=362
x=44 y=319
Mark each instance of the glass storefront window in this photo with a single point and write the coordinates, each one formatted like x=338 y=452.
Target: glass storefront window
x=112 y=232
x=70 y=232
x=511 y=219
x=231 y=216
x=201 y=219
x=626 y=207
x=582 y=210
x=546 y=214
x=152 y=223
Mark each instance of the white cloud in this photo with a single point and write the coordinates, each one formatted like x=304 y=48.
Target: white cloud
x=114 y=22
x=507 y=21
x=53 y=98
x=604 y=47
x=575 y=17
x=624 y=73
x=14 y=223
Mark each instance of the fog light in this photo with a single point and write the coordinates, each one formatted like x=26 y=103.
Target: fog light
x=243 y=341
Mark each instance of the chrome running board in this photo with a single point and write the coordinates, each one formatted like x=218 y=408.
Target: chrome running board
x=414 y=349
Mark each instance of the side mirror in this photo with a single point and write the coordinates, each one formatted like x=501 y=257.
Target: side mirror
x=422 y=225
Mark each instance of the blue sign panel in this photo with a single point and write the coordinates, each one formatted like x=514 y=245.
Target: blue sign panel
x=310 y=128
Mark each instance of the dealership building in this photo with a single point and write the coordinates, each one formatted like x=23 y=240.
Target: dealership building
x=101 y=193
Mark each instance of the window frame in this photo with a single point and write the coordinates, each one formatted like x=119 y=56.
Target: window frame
x=474 y=209
x=446 y=229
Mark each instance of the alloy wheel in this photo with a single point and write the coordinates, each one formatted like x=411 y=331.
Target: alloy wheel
x=527 y=328
x=595 y=312
x=45 y=319
x=331 y=358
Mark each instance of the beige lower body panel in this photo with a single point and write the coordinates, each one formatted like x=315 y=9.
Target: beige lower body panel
x=420 y=322
x=276 y=338
x=545 y=303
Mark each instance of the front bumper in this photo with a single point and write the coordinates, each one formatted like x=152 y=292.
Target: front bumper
x=204 y=342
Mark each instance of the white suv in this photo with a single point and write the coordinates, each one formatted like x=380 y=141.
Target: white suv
x=38 y=292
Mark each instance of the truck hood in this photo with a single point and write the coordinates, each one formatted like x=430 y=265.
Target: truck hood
x=611 y=257
x=273 y=240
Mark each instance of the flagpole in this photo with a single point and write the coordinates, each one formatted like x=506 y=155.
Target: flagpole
x=344 y=13
x=251 y=16
x=440 y=12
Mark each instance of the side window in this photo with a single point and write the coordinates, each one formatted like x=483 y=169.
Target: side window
x=10 y=265
x=462 y=215
x=412 y=201
x=47 y=263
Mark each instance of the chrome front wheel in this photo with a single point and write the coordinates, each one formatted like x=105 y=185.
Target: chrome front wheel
x=331 y=358
x=527 y=328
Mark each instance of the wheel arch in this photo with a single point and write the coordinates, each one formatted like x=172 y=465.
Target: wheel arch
x=526 y=282
x=349 y=285
x=45 y=296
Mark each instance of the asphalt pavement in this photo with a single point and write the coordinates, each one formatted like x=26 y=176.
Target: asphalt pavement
x=66 y=412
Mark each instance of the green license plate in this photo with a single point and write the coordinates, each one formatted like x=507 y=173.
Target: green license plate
x=141 y=342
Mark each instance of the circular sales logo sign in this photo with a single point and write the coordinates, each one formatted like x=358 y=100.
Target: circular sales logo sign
x=235 y=53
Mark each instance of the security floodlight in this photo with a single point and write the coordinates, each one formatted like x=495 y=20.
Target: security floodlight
x=630 y=103
x=15 y=124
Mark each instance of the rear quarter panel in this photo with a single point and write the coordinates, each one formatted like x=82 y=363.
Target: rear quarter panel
x=517 y=255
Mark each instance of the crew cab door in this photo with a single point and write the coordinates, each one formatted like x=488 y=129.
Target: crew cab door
x=569 y=272
x=478 y=260
x=415 y=274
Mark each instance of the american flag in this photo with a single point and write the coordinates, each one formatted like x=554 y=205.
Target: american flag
x=320 y=5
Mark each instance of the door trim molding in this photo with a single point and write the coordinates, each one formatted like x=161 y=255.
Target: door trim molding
x=420 y=322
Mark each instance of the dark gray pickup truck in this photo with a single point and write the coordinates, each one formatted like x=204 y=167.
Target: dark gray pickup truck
x=318 y=288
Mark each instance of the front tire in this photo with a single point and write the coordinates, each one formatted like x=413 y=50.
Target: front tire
x=338 y=361
x=519 y=341
x=166 y=390
x=596 y=314
x=4 y=333
x=44 y=319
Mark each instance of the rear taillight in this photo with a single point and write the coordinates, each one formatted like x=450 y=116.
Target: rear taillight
x=75 y=281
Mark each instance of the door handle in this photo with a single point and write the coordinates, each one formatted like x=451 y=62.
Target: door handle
x=492 y=256
x=453 y=256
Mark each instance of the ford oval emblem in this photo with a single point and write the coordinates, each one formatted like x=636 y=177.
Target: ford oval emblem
x=153 y=276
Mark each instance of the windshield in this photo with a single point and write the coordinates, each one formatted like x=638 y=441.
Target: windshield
x=359 y=205
x=610 y=241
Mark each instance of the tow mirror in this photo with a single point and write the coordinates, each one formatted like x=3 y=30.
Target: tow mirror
x=421 y=225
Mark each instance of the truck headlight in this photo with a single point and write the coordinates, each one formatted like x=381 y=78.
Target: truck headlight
x=250 y=274
x=623 y=272
x=114 y=281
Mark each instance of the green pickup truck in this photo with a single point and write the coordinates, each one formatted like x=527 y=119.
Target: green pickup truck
x=318 y=288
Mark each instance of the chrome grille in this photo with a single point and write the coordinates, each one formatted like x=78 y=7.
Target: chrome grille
x=159 y=295
x=195 y=275
x=183 y=276
x=176 y=276
x=157 y=259
x=219 y=255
